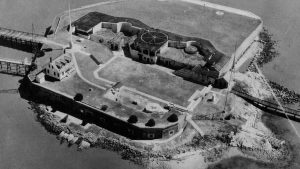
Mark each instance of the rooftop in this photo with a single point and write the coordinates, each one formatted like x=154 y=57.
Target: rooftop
x=94 y=96
x=149 y=80
x=49 y=51
x=153 y=38
x=180 y=56
x=91 y=19
x=63 y=60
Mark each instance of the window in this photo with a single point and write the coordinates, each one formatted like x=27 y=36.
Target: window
x=152 y=53
x=130 y=131
x=145 y=52
x=48 y=71
x=54 y=74
x=102 y=120
x=151 y=135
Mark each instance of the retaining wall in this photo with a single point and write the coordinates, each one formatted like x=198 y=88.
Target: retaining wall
x=100 y=118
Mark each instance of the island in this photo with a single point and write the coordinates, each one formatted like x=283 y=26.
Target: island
x=165 y=87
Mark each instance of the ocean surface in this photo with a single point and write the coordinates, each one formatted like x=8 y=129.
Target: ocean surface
x=25 y=144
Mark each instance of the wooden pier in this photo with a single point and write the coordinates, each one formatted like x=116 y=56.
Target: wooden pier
x=21 y=37
x=14 y=67
x=19 y=40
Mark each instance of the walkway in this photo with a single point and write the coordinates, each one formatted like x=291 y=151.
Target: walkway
x=196 y=127
x=278 y=108
x=159 y=141
x=73 y=51
x=196 y=98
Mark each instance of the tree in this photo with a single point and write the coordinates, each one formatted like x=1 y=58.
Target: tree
x=220 y=83
x=172 y=118
x=104 y=107
x=78 y=97
x=150 y=123
x=132 y=119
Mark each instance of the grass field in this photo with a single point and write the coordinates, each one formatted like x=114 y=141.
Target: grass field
x=87 y=66
x=149 y=80
x=223 y=31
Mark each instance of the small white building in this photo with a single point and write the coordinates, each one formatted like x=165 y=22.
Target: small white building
x=60 y=67
x=40 y=78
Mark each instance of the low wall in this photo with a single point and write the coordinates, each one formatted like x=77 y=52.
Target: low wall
x=239 y=53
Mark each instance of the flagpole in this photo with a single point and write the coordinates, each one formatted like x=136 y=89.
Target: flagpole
x=230 y=78
x=70 y=20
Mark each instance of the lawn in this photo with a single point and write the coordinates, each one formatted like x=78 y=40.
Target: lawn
x=150 y=80
x=223 y=31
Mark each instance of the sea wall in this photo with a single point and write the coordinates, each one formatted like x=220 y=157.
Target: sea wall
x=242 y=49
x=97 y=116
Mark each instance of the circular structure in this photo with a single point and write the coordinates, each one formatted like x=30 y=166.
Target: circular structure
x=154 y=38
x=153 y=107
x=190 y=49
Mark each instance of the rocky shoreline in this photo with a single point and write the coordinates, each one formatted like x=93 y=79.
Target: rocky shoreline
x=267 y=53
x=88 y=138
x=96 y=137
x=285 y=95
x=212 y=147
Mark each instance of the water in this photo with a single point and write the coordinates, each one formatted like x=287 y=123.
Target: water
x=282 y=18
x=25 y=144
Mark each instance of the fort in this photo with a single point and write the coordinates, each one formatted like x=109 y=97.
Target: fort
x=145 y=75
x=126 y=67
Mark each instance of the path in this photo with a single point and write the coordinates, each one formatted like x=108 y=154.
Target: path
x=72 y=51
x=196 y=127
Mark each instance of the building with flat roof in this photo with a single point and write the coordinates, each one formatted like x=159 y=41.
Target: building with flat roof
x=153 y=46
